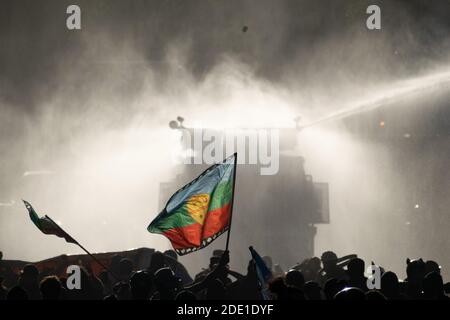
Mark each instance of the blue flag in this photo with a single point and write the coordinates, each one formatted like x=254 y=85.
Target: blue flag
x=263 y=272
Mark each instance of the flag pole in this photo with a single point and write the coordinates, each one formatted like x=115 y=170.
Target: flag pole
x=85 y=250
x=232 y=202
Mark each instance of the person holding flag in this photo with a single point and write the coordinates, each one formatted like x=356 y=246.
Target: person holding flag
x=263 y=272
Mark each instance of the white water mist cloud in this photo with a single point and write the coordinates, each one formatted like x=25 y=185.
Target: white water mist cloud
x=100 y=120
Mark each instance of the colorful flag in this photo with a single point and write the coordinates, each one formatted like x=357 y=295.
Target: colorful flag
x=263 y=272
x=200 y=211
x=47 y=225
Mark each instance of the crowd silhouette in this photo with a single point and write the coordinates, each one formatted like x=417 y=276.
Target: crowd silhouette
x=324 y=278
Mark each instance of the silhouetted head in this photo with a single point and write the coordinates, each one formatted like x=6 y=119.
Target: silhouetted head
x=433 y=285
x=213 y=262
x=355 y=268
x=350 y=294
x=172 y=254
x=157 y=261
x=390 y=286
x=29 y=274
x=278 y=287
x=329 y=259
x=125 y=268
x=16 y=293
x=174 y=124
x=165 y=280
x=140 y=285
x=415 y=270
x=314 y=264
x=50 y=288
x=432 y=266
x=330 y=288
x=312 y=290
x=295 y=279
x=218 y=253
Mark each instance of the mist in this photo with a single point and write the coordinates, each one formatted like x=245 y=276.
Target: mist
x=84 y=117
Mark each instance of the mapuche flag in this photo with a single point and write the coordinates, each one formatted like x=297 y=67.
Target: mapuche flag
x=200 y=211
x=47 y=225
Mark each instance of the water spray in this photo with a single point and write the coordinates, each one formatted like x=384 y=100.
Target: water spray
x=398 y=92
